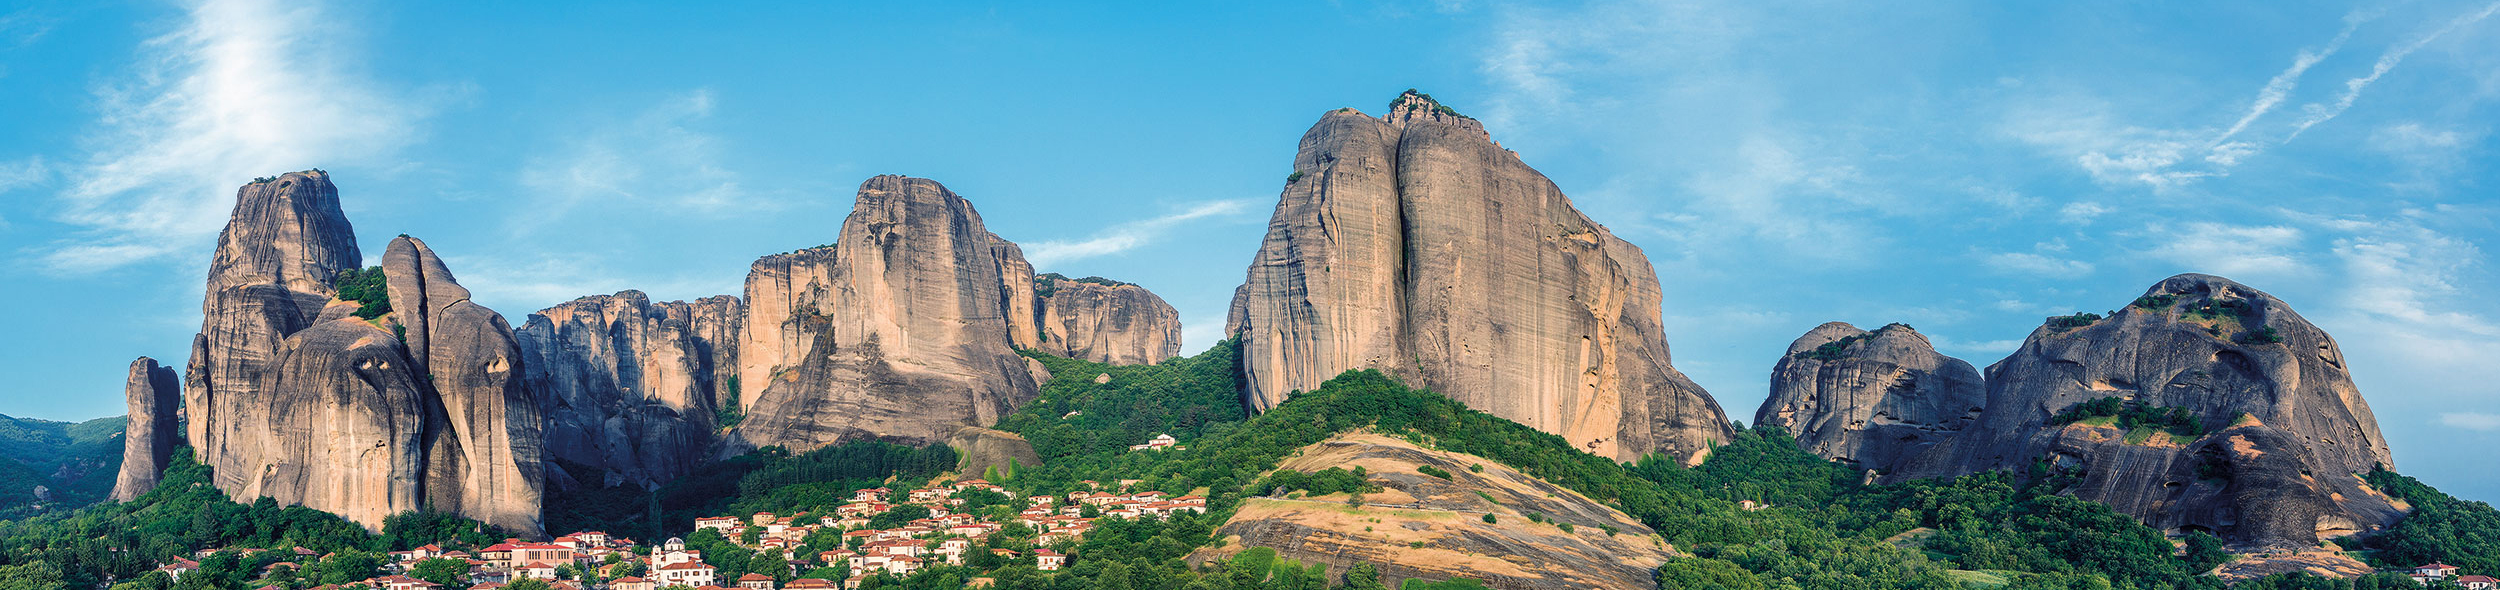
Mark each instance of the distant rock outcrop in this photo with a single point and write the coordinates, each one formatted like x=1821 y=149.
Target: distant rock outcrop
x=148 y=440
x=2248 y=424
x=482 y=437
x=630 y=386
x=1870 y=398
x=1437 y=527
x=1414 y=244
x=903 y=329
x=1105 y=321
x=989 y=453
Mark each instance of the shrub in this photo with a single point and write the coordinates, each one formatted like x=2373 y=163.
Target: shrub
x=2162 y=301
x=2265 y=335
x=1488 y=518
x=1432 y=471
x=1833 y=350
x=2069 y=322
x=367 y=287
x=1296 y=175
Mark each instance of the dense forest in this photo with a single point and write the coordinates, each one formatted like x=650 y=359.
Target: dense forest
x=1825 y=529
x=46 y=465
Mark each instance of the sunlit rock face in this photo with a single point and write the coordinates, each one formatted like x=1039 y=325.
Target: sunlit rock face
x=2284 y=434
x=1873 y=399
x=1414 y=244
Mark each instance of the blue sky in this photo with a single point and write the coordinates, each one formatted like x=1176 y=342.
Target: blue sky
x=1967 y=168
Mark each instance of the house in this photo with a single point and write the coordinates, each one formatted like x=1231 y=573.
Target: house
x=499 y=552
x=2478 y=582
x=762 y=518
x=178 y=567
x=719 y=523
x=403 y=583
x=683 y=574
x=630 y=583
x=536 y=570
x=540 y=553
x=809 y=584
x=1048 y=560
x=592 y=538
x=854 y=582
x=755 y=582
x=903 y=566
x=1159 y=442
x=2434 y=571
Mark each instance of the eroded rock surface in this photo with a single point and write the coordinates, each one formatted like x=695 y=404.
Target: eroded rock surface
x=1447 y=517
x=992 y=454
x=284 y=245
x=903 y=329
x=1414 y=244
x=483 y=435
x=1105 y=321
x=148 y=440
x=1870 y=398
x=630 y=386
x=2283 y=431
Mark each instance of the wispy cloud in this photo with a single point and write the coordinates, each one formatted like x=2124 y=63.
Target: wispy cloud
x=2238 y=251
x=2036 y=264
x=2279 y=88
x=2320 y=113
x=2476 y=421
x=659 y=157
x=1127 y=236
x=244 y=88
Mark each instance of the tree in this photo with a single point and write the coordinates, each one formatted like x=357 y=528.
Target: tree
x=439 y=570
x=528 y=584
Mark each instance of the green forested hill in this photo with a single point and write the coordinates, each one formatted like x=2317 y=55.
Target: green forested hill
x=74 y=463
x=1825 y=530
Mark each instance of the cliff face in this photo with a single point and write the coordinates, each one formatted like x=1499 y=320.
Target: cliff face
x=294 y=397
x=482 y=432
x=148 y=439
x=1414 y=244
x=631 y=386
x=1430 y=528
x=272 y=272
x=1105 y=321
x=903 y=329
x=1870 y=398
x=2281 y=429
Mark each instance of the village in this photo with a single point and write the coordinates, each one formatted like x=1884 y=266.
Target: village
x=939 y=530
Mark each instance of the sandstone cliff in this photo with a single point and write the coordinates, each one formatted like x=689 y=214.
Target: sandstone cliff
x=271 y=274
x=2273 y=432
x=414 y=403
x=992 y=454
x=483 y=443
x=1105 y=321
x=148 y=439
x=1870 y=398
x=1414 y=244
x=903 y=329
x=630 y=386
x=1446 y=516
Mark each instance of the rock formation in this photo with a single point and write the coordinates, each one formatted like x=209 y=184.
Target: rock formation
x=1870 y=398
x=270 y=277
x=991 y=454
x=1414 y=244
x=630 y=386
x=148 y=440
x=2271 y=431
x=1437 y=529
x=1105 y=321
x=294 y=395
x=483 y=443
x=903 y=329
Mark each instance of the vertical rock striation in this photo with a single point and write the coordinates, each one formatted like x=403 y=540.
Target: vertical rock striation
x=630 y=386
x=293 y=396
x=1105 y=321
x=483 y=431
x=1870 y=398
x=2274 y=432
x=1413 y=243
x=904 y=328
x=282 y=247
x=148 y=442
